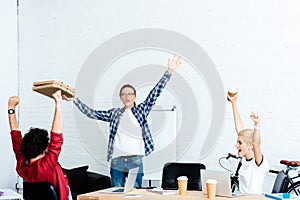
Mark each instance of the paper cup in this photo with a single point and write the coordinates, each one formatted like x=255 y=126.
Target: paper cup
x=211 y=188
x=182 y=184
x=232 y=90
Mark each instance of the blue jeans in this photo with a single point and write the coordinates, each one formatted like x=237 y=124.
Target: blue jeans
x=120 y=166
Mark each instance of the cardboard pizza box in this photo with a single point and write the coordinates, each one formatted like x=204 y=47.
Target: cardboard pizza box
x=39 y=83
x=49 y=87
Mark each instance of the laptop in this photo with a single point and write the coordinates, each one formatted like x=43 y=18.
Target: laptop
x=223 y=182
x=129 y=185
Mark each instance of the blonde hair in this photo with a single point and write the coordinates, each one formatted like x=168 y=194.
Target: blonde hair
x=247 y=135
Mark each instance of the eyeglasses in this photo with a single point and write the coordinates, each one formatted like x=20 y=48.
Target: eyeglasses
x=123 y=95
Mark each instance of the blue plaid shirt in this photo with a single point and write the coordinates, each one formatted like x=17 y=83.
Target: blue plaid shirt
x=140 y=112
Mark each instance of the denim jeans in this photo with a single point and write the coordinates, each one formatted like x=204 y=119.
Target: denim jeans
x=120 y=166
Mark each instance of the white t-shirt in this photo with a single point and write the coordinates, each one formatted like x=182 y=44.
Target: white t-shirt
x=251 y=176
x=128 y=139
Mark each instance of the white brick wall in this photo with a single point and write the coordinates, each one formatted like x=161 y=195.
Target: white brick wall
x=253 y=44
x=9 y=87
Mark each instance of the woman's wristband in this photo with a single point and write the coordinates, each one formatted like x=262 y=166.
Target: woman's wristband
x=257 y=127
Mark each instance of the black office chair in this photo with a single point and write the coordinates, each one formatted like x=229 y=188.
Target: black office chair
x=281 y=183
x=39 y=191
x=173 y=170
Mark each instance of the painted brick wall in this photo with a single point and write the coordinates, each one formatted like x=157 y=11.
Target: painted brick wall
x=9 y=87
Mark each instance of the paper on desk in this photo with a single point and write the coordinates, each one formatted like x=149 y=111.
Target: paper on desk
x=162 y=191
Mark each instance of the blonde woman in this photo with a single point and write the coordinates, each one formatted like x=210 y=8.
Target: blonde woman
x=254 y=166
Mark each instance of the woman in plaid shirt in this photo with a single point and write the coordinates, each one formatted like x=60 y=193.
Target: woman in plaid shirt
x=129 y=135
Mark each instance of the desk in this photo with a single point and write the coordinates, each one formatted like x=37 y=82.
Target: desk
x=149 y=195
x=10 y=194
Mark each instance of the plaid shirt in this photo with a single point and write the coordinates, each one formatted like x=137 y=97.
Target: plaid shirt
x=140 y=111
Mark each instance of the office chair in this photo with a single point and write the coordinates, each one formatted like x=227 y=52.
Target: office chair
x=172 y=170
x=39 y=191
x=281 y=183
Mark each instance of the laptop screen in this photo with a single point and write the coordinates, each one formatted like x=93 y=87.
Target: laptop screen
x=129 y=184
x=222 y=178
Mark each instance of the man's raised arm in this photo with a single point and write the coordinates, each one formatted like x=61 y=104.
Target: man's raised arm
x=12 y=103
x=57 y=119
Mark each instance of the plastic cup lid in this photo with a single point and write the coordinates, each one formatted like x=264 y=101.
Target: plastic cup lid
x=182 y=178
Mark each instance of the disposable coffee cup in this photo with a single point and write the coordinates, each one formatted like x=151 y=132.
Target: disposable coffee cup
x=232 y=90
x=182 y=184
x=211 y=188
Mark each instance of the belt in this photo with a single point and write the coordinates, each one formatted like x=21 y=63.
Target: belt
x=131 y=156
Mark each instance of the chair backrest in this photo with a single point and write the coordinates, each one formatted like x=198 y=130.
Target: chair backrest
x=173 y=170
x=281 y=183
x=39 y=190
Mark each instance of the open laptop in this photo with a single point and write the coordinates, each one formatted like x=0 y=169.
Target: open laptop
x=129 y=185
x=223 y=182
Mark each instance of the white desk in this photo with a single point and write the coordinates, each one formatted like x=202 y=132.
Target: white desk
x=9 y=194
x=145 y=195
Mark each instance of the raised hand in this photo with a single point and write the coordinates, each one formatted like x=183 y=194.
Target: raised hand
x=173 y=63
x=232 y=97
x=57 y=96
x=255 y=118
x=13 y=102
x=64 y=97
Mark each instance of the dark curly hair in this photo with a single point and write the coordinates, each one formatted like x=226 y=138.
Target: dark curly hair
x=34 y=143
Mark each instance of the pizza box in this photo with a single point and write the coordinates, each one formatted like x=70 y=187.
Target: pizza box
x=49 y=87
